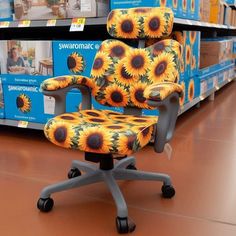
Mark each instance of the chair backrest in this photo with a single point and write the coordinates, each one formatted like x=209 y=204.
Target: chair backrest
x=120 y=72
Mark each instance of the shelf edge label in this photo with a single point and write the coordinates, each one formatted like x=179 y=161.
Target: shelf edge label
x=77 y=24
x=24 y=23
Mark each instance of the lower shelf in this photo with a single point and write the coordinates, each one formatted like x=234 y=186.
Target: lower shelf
x=21 y=124
x=37 y=126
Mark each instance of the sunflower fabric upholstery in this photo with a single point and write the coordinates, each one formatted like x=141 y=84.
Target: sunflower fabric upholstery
x=121 y=76
x=140 y=23
x=100 y=131
x=61 y=82
x=159 y=92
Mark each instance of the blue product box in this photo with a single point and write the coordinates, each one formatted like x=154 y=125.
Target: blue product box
x=25 y=62
x=173 y=4
x=220 y=77
x=192 y=87
x=2 y=112
x=116 y=4
x=183 y=8
x=6 y=10
x=231 y=2
x=73 y=101
x=195 y=38
x=27 y=103
x=187 y=55
x=183 y=82
x=74 y=57
x=215 y=68
x=194 y=9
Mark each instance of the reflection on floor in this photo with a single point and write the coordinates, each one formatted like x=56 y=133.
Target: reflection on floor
x=203 y=169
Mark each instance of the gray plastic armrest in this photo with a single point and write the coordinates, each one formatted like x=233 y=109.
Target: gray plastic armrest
x=60 y=98
x=168 y=113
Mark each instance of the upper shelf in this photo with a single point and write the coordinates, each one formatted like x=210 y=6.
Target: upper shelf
x=102 y=21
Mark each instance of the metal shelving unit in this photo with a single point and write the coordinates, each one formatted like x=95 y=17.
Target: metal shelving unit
x=60 y=29
x=186 y=107
x=102 y=21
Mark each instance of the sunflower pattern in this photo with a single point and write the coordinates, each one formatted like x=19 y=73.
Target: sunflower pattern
x=122 y=83
x=61 y=82
x=75 y=130
x=141 y=23
x=182 y=98
x=193 y=35
x=191 y=90
x=23 y=103
x=75 y=63
x=158 y=92
x=121 y=76
x=192 y=6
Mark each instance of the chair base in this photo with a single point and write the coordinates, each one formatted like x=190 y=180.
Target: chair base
x=107 y=173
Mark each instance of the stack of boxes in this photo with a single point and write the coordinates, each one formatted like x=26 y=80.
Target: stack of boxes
x=59 y=9
x=190 y=41
x=216 y=62
x=24 y=65
x=22 y=77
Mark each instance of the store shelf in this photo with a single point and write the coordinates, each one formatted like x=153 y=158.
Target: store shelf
x=16 y=123
x=188 y=105
x=102 y=21
x=207 y=94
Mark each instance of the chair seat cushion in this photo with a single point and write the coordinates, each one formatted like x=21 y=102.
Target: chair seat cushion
x=101 y=131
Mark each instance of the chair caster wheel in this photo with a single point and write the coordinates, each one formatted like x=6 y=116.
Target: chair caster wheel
x=45 y=204
x=131 y=167
x=124 y=225
x=74 y=172
x=167 y=191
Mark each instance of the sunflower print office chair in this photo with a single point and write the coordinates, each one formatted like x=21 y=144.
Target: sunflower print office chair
x=122 y=76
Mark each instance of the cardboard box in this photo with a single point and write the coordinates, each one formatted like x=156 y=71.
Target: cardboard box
x=6 y=10
x=59 y=9
x=26 y=103
x=74 y=57
x=227 y=16
x=25 y=62
x=222 y=12
x=214 y=11
x=215 y=52
x=205 y=10
x=2 y=109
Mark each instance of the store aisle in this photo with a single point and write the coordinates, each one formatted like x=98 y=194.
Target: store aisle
x=203 y=168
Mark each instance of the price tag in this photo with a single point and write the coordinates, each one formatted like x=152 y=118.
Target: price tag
x=77 y=24
x=51 y=23
x=4 y=24
x=24 y=23
x=23 y=124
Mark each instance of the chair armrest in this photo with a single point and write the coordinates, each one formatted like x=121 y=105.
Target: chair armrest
x=168 y=113
x=160 y=91
x=58 y=87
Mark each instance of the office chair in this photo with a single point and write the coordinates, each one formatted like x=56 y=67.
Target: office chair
x=121 y=76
